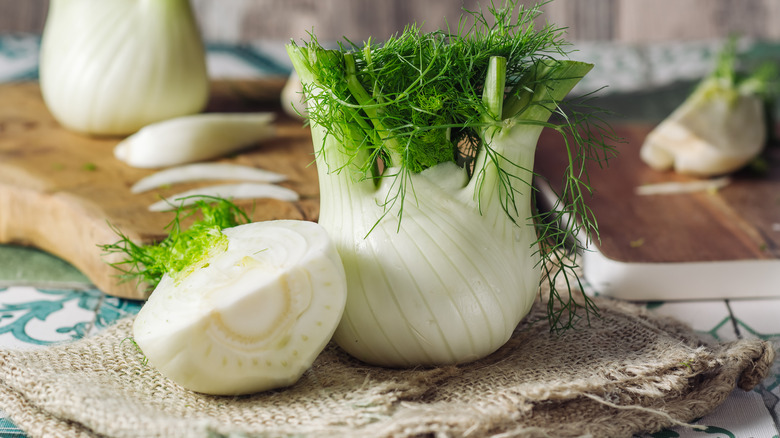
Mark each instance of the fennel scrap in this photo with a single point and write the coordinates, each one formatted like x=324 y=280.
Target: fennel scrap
x=182 y=247
x=194 y=138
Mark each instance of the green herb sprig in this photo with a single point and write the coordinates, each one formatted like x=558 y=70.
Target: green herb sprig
x=184 y=248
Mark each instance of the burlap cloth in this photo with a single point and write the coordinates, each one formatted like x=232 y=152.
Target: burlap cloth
x=627 y=373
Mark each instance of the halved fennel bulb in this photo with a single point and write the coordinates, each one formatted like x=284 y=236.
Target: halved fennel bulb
x=250 y=318
x=112 y=67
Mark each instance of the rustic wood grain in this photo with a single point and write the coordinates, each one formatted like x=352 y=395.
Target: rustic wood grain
x=629 y=21
x=64 y=192
x=737 y=222
x=669 y=20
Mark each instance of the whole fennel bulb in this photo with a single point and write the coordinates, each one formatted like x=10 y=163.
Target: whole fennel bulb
x=249 y=317
x=440 y=246
x=110 y=67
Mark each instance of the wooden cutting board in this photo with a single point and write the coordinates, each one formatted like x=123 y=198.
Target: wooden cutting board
x=63 y=192
x=706 y=244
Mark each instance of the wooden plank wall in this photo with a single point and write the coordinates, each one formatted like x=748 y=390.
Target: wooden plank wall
x=630 y=21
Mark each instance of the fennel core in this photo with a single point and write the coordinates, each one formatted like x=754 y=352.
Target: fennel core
x=424 y=148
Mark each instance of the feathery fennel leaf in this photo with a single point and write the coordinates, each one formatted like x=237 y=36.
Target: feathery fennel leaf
x=180 y=252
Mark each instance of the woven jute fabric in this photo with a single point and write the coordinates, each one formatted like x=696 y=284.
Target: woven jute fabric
x=625 y=373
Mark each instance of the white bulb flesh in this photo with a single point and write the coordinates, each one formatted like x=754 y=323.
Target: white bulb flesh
x=252 y=318
x=194 y=138
x=112 y=67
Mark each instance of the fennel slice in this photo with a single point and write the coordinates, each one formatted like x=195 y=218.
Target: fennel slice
x=203 y=172
x=194 y=138
x=226 y=191
x=254 y=317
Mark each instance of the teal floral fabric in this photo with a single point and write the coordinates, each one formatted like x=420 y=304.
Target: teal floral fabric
x=37 y=317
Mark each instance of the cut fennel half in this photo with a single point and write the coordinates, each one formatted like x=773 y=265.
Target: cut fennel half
x=248 y=318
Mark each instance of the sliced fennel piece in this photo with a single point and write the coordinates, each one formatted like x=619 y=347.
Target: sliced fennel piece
x=205 y=171
x=251 y=318
x=226 y=191
x=713 y=133
x=112 y=67
x=194 y=138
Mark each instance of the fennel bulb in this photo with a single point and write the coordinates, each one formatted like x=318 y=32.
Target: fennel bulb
x=112 y=67
x=718 y=129
x=440 y=246
x=251 y=315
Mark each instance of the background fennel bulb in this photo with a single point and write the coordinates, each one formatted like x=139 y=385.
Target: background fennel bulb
x=112 y=67
x=237 y=307
x=719 y=128
x=425 y=147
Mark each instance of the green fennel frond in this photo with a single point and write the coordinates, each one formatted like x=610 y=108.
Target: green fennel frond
x=183 y=248
x=565 y=227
